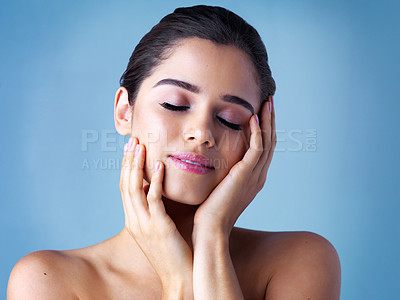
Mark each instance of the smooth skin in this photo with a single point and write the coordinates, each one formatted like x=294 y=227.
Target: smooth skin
x=179 y=239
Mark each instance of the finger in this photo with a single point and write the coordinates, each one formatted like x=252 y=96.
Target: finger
x=136 y=191
x=122 y=182
x=263 y=173
x=273 y=130
x=126 y=170
x=130 y=215
x=271 y=150
x=137 y=164
x=256 y=148
x=266 y=130
x=156 y=206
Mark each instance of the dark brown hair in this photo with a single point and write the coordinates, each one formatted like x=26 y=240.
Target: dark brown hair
x=213 y=23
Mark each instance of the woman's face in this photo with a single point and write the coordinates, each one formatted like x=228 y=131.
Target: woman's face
x=192 y=114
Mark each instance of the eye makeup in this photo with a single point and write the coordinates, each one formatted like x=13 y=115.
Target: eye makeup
x=182 y=108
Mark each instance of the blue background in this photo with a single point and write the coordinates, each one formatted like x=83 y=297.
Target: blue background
x=336 y=166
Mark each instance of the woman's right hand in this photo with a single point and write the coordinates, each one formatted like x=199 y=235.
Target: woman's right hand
x=148 y=223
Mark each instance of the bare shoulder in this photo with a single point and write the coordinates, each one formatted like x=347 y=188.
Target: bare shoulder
x=295 y=265
x=307 y=265
x=45 y=274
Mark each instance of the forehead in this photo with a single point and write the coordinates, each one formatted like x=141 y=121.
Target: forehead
x=215 y=69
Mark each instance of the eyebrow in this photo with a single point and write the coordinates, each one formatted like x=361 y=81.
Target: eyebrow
x=195 y=89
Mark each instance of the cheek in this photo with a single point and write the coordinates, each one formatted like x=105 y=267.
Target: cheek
x=159 y=136
x=235 y=147
x=152 y=129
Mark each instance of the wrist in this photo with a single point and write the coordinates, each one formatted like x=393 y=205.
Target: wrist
x=209 y=236
x=214 y=225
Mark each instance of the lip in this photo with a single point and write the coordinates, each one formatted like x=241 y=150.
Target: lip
x=192 y=162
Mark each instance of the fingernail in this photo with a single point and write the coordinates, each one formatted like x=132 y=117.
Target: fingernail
x=158 y=165
x=137 y=149
x=130 y=142
x=258 y=121
x=125 y=148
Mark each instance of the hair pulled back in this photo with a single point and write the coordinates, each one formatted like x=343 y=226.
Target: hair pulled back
x=213 y=23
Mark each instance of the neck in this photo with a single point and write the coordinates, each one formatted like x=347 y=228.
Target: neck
x=131 y=256
x=183 y=216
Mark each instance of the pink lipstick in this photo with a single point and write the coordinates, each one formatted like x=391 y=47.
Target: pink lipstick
x=192 y=163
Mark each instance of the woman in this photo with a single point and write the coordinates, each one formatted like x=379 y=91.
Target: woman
x=197 y=100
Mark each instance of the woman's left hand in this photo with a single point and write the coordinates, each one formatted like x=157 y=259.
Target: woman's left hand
x=245 y=179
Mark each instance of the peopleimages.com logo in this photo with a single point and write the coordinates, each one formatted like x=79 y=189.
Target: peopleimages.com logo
x=107 y=141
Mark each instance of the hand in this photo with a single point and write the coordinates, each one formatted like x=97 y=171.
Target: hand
x=245 y=179
x=147 y=221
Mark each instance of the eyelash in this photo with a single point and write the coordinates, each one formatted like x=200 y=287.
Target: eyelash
x=174 y=107
x=183 y=108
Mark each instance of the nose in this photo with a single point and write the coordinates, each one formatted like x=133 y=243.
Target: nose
x=200 y=132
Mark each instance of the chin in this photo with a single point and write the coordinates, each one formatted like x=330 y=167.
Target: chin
x=183 y=194
x=182 y=190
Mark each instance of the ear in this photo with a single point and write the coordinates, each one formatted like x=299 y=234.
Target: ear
x=122 y=112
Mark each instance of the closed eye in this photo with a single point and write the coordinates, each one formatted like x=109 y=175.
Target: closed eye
x=229 y=124
x=174 y=107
